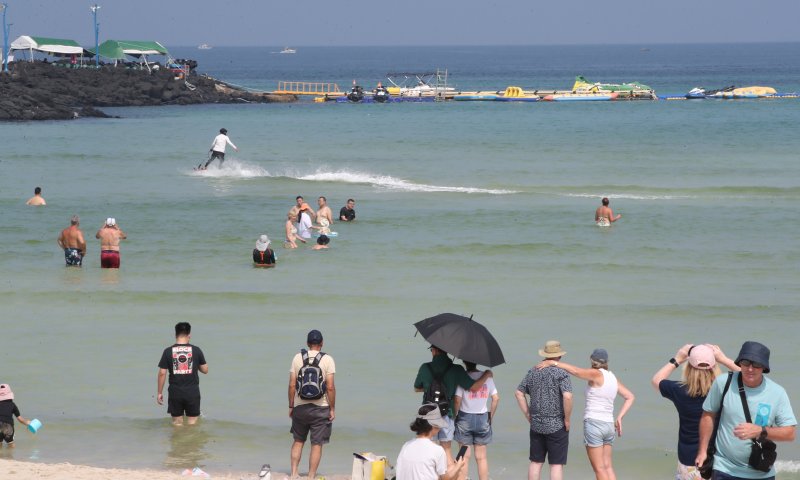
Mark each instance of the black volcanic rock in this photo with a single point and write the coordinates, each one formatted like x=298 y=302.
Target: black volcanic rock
x=46 y=91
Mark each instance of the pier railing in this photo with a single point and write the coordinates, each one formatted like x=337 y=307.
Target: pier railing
x=307 y=88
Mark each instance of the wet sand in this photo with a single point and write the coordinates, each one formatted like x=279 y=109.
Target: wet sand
x=16 y=470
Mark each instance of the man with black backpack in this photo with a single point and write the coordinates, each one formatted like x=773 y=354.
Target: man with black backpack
x=312 y=401
x=438 y=380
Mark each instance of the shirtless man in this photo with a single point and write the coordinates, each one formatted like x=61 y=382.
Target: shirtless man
x=37 y=199
x=324 y=210
x=71 y=240
x=300 y=201
x=110 y=235
x=604 y=216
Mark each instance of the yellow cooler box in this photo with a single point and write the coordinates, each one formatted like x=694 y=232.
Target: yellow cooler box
x=368 y=466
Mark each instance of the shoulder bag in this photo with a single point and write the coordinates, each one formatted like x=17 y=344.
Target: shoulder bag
x=763 y=452
x=707 y=468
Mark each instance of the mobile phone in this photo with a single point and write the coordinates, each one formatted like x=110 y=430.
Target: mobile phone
x=461 y=452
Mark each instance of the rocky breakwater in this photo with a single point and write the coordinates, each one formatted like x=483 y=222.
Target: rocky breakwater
x=45 y=91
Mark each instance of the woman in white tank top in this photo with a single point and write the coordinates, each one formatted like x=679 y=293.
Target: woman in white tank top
x=599 y=425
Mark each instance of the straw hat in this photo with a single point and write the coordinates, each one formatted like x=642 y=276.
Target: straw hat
x=552 y=349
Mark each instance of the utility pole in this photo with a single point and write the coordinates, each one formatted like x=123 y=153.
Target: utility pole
x=4 y=7
x=94 y=9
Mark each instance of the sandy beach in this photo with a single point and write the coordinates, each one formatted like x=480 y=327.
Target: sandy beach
x=16 y=470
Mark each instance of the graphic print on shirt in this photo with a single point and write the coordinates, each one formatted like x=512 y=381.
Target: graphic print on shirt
x=482 y=393
x=762 y=414
x=182 y=360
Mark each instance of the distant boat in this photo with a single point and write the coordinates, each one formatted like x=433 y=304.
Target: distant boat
x=288 y=50
x=204 y=46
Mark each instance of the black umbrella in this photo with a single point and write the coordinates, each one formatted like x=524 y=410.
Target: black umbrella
x=463 y=337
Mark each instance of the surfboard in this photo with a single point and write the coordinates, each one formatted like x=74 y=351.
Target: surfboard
x=330 y=234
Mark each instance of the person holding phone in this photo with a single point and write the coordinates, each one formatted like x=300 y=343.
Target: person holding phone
x=474 y=420
x=420 y=458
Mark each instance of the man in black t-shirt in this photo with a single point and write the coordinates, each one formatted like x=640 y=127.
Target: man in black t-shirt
x=182 y=361
x=347 y=214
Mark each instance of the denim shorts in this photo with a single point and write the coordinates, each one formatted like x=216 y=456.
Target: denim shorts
x=473 y=429
x=446 y=433
x=597 y=433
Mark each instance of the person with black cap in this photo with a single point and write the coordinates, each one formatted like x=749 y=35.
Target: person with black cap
x=312 y=402
x=770 y=416
x=218 y=148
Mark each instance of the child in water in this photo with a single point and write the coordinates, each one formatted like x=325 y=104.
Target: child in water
x=8 y=410
x=322 y=243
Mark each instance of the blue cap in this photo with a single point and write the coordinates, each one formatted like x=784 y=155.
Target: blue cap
x=314 y=337
x=599 y=355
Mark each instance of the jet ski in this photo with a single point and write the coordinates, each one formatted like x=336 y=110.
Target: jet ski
x=381 y=95
x=356 y=94
x=701 y=93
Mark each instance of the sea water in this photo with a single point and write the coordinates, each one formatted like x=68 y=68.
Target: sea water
x=480 y=209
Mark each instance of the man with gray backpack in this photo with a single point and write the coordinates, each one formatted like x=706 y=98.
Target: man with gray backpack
x=312 y=401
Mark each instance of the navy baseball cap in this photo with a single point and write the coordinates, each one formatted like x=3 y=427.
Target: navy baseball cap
x=314 y=337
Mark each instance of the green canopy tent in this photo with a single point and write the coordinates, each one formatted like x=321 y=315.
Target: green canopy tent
x=117 y=49
x=46 y=45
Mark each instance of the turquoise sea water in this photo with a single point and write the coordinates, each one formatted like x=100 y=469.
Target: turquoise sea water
x=473 y=208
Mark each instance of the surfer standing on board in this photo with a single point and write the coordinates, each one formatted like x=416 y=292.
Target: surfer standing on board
x=218 y=148
x=604 y=216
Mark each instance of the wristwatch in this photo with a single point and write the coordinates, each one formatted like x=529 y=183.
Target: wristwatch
x=673 y=362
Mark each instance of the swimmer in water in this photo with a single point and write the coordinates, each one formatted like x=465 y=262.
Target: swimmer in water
x=322 y=243
x=604 y=216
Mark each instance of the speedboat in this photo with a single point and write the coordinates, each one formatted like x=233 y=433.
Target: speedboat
x=420 y=84
x=204 y=46
x=288 y=50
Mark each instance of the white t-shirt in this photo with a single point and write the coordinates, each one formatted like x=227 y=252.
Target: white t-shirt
x=475 y=402
x=220 y=141
x=304 y=226
x=421 y=459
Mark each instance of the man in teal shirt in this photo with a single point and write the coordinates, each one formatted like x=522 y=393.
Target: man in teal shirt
x=452 y=376
x=770 y=411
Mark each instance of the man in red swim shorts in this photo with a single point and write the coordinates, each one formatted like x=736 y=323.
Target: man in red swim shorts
x=110 y=235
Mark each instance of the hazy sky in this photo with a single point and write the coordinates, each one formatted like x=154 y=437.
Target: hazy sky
x=410 y=22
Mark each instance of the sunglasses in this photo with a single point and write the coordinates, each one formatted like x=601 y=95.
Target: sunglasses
x=748 y=363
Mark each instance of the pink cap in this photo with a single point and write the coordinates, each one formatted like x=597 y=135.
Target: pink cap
x=702 y=357
x=6 y=393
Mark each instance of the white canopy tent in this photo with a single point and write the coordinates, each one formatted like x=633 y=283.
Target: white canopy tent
x=48 y=46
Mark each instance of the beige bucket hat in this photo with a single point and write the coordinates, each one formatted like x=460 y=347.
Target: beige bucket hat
x=552 y=349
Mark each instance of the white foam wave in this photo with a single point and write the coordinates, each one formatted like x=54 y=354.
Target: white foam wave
x=393 y=183
x=232 y=169
x=629 y=196
x=792 y=466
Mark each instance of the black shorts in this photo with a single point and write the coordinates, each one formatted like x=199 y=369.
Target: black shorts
x=312 y=418
x=554 y=446
x=216 y=154
x=181 y=404
x=6 y=432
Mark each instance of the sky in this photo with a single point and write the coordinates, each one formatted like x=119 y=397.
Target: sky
x=410 y=22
